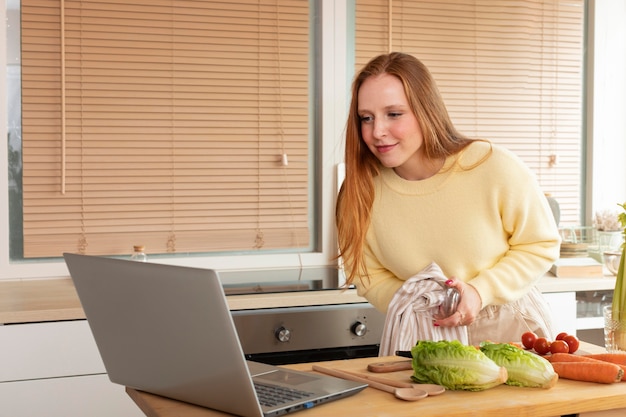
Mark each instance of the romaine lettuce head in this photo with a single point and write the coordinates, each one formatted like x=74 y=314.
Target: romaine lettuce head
x=525 y=369
x=455 y=366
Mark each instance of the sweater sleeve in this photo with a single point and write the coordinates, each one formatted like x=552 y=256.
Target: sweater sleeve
x=534 y=239
x=380 y=286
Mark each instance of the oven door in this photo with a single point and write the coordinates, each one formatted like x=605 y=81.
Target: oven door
x=281 y=336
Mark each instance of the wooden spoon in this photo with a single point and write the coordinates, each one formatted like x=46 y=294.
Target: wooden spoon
x=406 y=394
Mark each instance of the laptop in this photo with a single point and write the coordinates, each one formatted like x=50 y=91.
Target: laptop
x=168 y=330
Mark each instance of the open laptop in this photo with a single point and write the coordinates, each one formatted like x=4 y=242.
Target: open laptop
x=168 y=330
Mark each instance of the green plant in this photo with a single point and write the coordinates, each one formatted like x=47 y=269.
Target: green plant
x=622 y=220
x=619 y=294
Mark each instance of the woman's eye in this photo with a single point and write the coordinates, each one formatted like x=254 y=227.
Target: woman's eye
x=365 y=119
x=395 y=114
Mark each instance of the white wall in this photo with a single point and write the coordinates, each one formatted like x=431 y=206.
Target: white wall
x=607 y=123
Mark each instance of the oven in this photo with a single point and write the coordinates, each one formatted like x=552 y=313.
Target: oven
x=305 y=333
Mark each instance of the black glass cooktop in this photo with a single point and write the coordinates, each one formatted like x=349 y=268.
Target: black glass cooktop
x=279 y=280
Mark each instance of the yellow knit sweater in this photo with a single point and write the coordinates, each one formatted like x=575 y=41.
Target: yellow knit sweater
x=482 y=220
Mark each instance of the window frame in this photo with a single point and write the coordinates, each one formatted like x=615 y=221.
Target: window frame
x=327 y=20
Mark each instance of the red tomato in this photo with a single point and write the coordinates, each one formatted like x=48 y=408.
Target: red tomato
x=528 y=340
x=542 y=346
x=572 y=341
x=561 y=336
x=559 y=346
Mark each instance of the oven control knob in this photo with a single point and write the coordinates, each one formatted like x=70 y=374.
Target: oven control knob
x=359 y=328
x=282 y=334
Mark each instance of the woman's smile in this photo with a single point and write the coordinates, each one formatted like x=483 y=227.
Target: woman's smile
x=385 y=148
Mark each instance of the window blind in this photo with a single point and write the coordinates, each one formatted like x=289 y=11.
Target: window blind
x=164 y=123
x=509 y=71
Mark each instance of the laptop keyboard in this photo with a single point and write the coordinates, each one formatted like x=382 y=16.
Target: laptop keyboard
x=273 y=395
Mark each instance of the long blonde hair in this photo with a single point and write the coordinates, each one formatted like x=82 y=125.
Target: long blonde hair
x=356 y=195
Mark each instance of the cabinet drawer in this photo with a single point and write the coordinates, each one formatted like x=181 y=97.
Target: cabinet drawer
x=48 y=350
x=92 y=396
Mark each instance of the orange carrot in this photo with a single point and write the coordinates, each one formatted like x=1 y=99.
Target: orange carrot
x=601 y=372
x=604 y=373
x=618 y=358
x=568 y=357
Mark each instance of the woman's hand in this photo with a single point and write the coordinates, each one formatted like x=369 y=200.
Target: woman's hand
x=468 y=308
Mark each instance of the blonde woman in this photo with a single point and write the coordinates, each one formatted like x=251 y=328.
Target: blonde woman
x=418 y=192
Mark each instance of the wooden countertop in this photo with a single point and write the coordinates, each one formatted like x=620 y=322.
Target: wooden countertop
x=567 y=397
x=27 y=301
x=34 y=300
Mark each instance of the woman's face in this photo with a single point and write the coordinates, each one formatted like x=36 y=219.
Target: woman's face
x=389 y=127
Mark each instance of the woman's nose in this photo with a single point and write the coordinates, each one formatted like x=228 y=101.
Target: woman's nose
x=380 y=129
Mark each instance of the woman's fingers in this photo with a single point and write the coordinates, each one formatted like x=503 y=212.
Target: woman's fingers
x=468 y=307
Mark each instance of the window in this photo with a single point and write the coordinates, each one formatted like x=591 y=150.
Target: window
x=330 y=61
x=183 y=126
x=510 y=72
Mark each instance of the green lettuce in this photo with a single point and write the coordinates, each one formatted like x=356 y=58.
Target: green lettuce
x=455 y=366
x=524 y=368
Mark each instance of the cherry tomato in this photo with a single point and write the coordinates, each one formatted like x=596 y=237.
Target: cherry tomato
x=561 y=336
x=542 y=346
x=572 y=341
x=528 y=339
x=559 y=346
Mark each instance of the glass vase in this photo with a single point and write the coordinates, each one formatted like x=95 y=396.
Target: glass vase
x=614 y=332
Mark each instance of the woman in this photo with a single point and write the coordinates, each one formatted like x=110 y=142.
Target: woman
x=417 y=192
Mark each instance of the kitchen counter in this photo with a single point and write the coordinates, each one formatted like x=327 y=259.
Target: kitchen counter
x=26 y=301
x=31 y=301
x=549 y=284
x=567 y=397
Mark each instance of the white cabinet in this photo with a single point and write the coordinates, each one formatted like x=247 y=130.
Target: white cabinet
x=563 y=306
x=589 y=316
x=54 y=369
x=88 y=395
x=577 y=302
x=589 y=305
x=580 y=313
